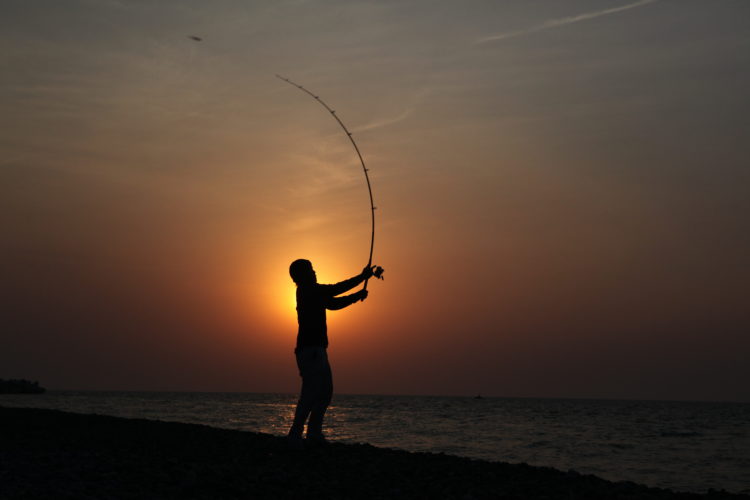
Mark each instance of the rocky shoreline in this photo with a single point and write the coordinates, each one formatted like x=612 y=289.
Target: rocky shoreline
x=54 y=454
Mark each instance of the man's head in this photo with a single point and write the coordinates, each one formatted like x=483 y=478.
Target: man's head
x=302 y=272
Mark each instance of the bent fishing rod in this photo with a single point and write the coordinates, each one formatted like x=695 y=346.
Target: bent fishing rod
x=377 y=271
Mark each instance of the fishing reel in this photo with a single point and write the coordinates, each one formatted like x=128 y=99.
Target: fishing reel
x=377 y=272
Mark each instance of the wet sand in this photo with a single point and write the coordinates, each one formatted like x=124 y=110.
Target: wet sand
x=53 y=454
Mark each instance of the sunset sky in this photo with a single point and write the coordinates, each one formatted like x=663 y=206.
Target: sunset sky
x=563 y=194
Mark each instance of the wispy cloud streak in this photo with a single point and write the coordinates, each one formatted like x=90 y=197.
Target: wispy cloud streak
x=384 y=122
x=554 y=23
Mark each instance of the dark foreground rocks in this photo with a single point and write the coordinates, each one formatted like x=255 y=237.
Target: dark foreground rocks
x=58 y=455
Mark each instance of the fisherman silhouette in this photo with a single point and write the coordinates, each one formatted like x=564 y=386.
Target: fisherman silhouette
x=312 y=340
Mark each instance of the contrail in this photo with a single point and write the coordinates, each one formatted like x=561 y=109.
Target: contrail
x=553 y=23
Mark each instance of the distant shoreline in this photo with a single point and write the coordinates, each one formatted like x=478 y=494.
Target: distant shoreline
x=20 y=386
x=46 y=452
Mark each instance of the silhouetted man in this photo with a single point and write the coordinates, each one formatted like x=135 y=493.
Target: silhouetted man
x=312 y=340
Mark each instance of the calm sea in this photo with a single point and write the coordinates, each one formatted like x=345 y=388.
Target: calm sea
x=685 y=446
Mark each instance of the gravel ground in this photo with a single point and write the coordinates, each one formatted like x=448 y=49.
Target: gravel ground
x=56 y=455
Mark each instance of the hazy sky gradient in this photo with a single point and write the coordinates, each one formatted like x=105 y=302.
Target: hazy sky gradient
x=563 y=194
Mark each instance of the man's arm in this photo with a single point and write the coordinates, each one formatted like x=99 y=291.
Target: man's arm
x=347 y=285
x=336 y=303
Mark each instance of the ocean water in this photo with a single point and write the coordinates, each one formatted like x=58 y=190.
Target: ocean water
x=684 y=446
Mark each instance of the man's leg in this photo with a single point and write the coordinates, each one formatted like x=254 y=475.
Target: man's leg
x=310 y=364
x=323 y=395
x=304 y=403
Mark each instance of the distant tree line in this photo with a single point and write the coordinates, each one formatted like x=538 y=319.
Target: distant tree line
x=20 y=386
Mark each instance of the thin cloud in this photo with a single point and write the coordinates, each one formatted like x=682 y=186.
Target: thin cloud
x=554 y=23
x=384 y=122
x=308 y=223
x=417 y=99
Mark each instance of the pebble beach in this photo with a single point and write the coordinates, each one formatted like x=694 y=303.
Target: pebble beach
x=55 y=454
